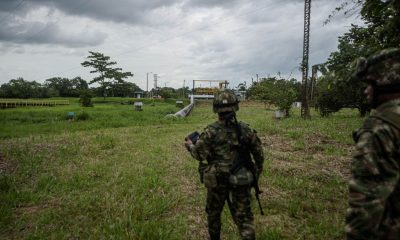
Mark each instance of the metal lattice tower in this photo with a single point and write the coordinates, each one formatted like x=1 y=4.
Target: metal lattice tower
x=155 y=81
x=305 y=111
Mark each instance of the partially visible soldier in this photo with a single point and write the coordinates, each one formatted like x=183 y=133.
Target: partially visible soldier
x=374 y=189
x=219 y=146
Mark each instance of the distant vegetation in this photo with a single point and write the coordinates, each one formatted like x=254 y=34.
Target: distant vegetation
x=336 y=89
x=116 y=173
x=280 y=92
x=64 y=87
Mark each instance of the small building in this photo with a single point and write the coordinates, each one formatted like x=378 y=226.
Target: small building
x=179 y=103
x=139 y=94
x=297 y=104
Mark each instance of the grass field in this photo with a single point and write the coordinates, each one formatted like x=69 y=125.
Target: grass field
x=123 y=174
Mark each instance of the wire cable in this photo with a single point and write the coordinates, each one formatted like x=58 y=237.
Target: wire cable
x=13 y=10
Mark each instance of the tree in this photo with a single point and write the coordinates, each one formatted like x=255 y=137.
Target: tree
x=382 y=25
x=166 y=92
x=125 y=89
x=21 y=88
x=64 y=87
x=102 y=66
x=78 y=84
x=85 y=98
x=280 y=92
x=116 y=77
x=61 y=85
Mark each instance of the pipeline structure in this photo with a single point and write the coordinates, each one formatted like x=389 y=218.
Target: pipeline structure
x=183 y=112
x=200 y=93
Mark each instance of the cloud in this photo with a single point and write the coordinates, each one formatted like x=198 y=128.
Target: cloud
x=212 y=3
x=179 y=39
x=49 y=29
x=126 y=11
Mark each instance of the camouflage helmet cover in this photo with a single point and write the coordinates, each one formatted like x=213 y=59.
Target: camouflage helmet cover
x=225 y=101
x=384 y=67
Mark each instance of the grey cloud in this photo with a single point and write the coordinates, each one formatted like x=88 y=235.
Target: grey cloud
x=21 y=32
x=212 y=3
x=128 y=11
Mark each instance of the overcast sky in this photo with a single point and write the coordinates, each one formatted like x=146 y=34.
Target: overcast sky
x=177 y=39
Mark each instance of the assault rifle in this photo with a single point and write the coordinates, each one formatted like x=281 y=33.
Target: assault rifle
x=244 y=160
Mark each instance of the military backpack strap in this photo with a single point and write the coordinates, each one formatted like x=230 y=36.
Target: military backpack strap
x=389 y=117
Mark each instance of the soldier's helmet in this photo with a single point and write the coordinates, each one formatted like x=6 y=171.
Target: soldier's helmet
x=381 y=69
x=225 y=101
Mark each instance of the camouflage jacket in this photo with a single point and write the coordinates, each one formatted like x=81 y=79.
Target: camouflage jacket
x=374 y=189
x=217 y=144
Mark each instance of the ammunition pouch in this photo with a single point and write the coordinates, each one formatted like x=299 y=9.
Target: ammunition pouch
x=241 y=177
x=202 y=167
x=210 y=176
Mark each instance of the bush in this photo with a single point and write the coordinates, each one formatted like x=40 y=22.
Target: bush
x=82 y=116
x=85 y=98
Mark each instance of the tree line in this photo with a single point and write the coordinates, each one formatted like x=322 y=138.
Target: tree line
x=111 y=80
x=63 y=87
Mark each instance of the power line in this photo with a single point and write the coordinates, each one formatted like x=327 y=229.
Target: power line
x=15 y=8
x=227 y=19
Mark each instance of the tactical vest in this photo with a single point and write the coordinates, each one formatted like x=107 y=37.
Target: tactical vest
x=225 y=149
x=225 y=142
x=390 y=225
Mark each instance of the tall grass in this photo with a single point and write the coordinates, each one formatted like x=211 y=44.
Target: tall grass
x=123 y=174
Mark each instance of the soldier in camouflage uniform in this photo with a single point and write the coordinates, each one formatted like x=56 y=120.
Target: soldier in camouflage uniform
x=218 y=146
x=374 y=189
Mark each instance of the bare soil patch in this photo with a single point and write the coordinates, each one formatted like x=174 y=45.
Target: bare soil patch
x=288 y=160
x=6 y=166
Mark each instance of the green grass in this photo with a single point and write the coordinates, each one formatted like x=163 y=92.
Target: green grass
x=123 y=174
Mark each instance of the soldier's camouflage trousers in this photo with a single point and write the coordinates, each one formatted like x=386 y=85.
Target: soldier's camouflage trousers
x=239 y=205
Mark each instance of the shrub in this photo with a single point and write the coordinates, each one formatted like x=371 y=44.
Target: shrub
x=82 y=116
x=85 y=98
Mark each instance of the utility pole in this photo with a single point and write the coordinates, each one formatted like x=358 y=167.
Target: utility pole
x=314 y=72
x=155 y=75
x=147 y=83
x=183 y=89
x=305 y=111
